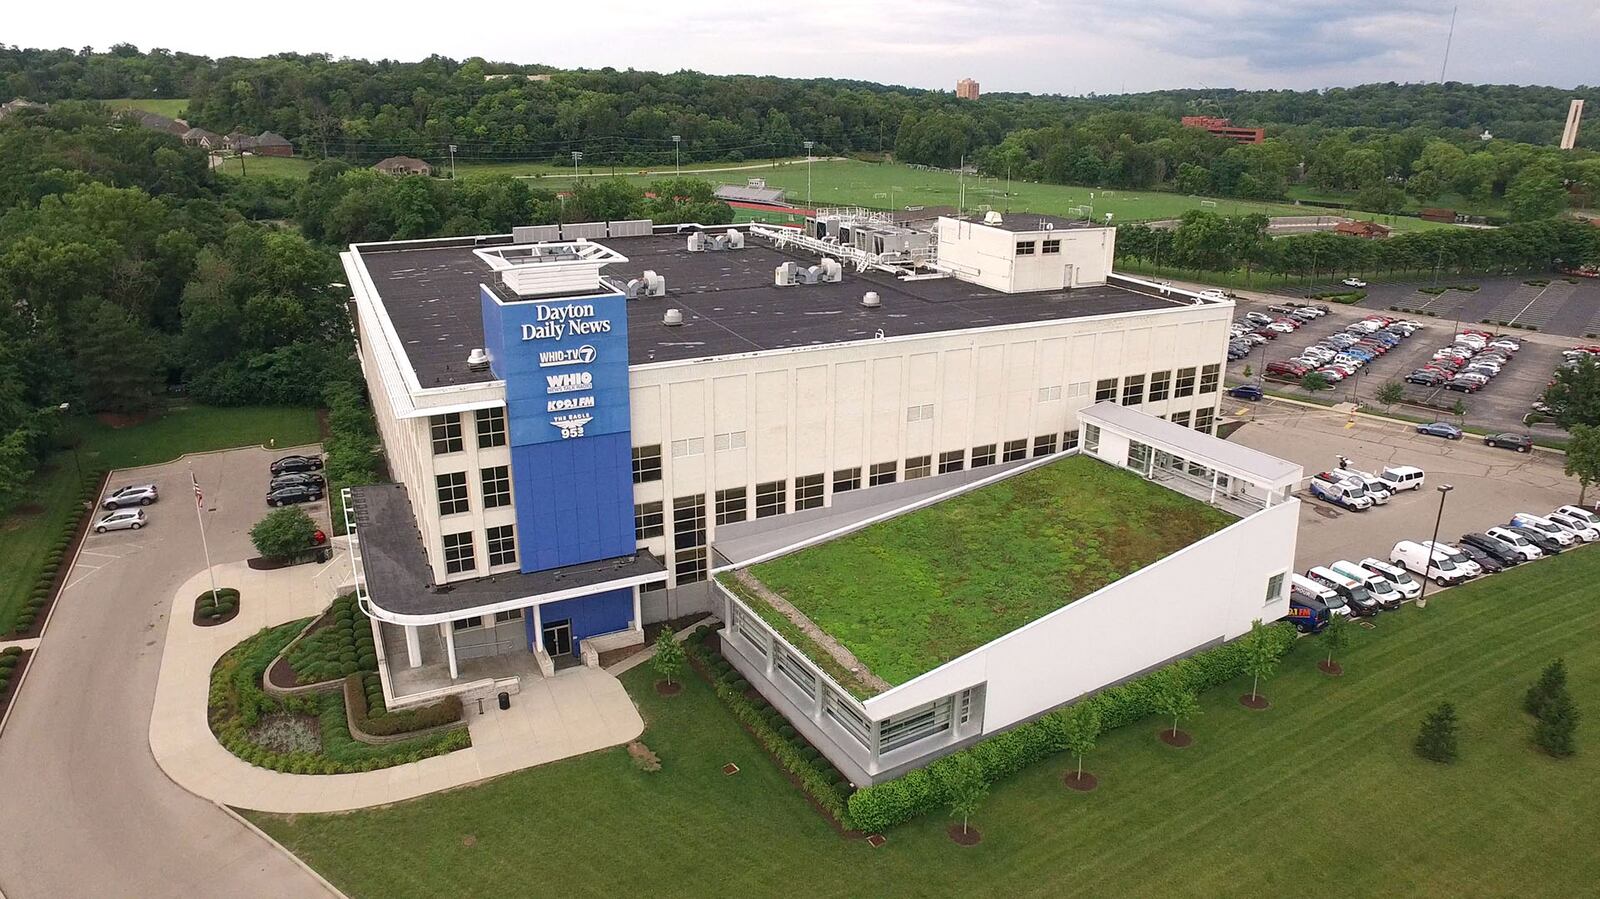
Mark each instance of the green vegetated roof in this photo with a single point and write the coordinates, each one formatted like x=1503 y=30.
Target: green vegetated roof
x=911 y=593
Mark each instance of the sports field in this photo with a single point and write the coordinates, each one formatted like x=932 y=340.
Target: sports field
x=1320 y=795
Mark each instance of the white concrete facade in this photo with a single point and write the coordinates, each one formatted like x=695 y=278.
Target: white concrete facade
x=1013 y=261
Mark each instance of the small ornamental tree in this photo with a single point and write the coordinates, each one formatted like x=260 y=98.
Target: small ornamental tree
x=1390 y=393
x=1176 y=700
x=1315 y=381
x=964 y=786
x=669 y=655
x=1260 y=657
x=1557 y=725
x=1437 y=740
x=1336 y=636
x=283 y=532
x=1080 y=729
x=1551 y=681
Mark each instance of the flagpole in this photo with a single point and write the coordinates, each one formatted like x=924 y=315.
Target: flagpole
x=199 y=500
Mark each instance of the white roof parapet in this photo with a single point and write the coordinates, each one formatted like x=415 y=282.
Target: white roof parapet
x=1232 y=459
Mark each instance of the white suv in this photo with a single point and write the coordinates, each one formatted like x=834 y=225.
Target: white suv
x=136 y=495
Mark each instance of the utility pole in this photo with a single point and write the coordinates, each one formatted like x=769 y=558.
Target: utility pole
x=1422 y=598
x=677 y=168
x=808 y=144
x=575 y=157
x=452 y=162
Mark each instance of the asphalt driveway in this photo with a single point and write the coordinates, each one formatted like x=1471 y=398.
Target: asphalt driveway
x=91 y=814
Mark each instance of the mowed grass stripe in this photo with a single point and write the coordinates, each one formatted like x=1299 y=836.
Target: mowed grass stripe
x=1319 y=796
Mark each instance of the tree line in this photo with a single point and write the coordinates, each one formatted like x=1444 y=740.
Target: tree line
x=1207 y=241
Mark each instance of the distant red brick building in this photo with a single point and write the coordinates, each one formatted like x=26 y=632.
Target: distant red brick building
x=1225 y=128
x=1368 y=230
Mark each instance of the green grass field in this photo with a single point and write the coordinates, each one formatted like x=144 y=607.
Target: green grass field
x=170 y=108
x=296 y=167
x=1318 y=796
x=911 y=593
x=26 y=535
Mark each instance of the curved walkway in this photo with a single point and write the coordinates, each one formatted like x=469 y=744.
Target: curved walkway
x=579 y=710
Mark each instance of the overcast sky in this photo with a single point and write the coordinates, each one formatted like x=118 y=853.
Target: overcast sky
x=1068 y=46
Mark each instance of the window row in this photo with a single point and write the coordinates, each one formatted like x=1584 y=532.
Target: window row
x=1162 y=384
x=448 y=436
x=460 y=554
x=451 y=489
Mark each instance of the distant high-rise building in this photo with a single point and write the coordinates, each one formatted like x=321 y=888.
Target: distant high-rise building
x=1569 y=135
x=967 y=89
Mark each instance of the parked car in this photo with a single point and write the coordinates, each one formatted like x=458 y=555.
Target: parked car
x=291 y=464
x=1544 y=526
x=1579 y=527
x=1520 y=442
x=1425 y=378
x=135 y=495
x=1299 y=583
x=299 y=479
x=1353 y=282
x=1403 y=477
x=1308 y=614
x=1546 y=544
x=1378 y=587
x=1398 y=577
x=1454 y=554
x=1581 y=514
x=123 y=519
x=1463 y=385
x=1503 y=553
x=1352 y=591
x=1376 y=487
x=1423 y=562
x=1485 y=562
x=1213 y=294
x=1246 y=392
x=1519 y=543
x=299 y=493
x=1341 y=492
x=1440 y=429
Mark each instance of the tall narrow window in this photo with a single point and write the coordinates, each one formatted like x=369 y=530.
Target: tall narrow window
x=1202 y=419
x=1091 y=438
x=1159 y=385
x=1069 y=440
x=1133 y=390
x=491 y=427
x=732 y=505
x=1208 y=378
x=496 y=486
x=458 y=553
x=646 y=463
x=446 y=432
x=1185 y=384
x=689 y=521
x=452 y=488
x=502 y=545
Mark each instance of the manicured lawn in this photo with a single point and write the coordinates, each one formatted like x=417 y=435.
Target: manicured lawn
x=908 y=594
x=26 y=535
x=297 y=167
x=172 y=109
x=1319 y=796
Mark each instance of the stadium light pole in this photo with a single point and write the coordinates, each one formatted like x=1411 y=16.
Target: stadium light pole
x=452 y=162
x=808 y=144
x=1422 y=598
x=677 y=169
x=575 y=157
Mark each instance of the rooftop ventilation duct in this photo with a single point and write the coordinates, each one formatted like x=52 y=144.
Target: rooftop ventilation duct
x=871 y=300
x=735 y=239
x=651 y=285
x=786 y=274
x=477 y=360
x=697 y=242
x=991 y=218
x=673 y=318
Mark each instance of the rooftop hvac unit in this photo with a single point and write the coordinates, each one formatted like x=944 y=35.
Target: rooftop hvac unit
x=991 y=217
x=697 y=242
x=673 y=318
x=651 y=285
x=535 y=233
x=811 y=274
x=477 y=360
x=829 y=270
x=786 y=274
x=870 y=300
x=735 y=239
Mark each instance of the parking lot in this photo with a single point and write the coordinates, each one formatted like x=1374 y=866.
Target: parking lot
x=1498 y=406
x=1564 y=306
x=1489 y=484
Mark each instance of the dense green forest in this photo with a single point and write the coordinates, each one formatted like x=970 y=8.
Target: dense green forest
x=1378 y=145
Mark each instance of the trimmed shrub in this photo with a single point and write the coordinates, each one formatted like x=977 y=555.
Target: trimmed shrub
x=386 y=723
x=881 y=806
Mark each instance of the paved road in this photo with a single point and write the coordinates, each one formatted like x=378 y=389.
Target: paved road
x=90 y=812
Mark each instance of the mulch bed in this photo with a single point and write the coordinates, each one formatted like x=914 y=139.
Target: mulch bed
x=120 y=420
x=281 y=673
x=1178 y=739
x=62 y=571
x=971 y=837
x=1256 y=702
x=1082 y=784
x=1331 y=669
x=15 y=681
x=206 y=620
x=260 y=563
x=665 y=689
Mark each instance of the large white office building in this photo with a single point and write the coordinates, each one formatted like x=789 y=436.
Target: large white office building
x=571 y=413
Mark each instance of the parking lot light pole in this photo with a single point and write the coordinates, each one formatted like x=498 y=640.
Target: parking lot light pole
x=1422 y=598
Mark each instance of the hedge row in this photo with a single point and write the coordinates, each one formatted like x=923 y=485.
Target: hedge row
x=56 y=556
x=237 y=704
x=9 y=658
x=881 y=806
x=351 y=450
x=364 y=703
x=220 y=604
x=340 y=647
x=825 y=785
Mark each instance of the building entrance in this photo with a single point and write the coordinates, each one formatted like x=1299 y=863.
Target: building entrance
x=558 y=638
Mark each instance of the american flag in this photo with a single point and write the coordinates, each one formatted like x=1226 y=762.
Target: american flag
x=199 y=498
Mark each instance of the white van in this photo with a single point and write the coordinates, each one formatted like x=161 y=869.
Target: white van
x=1399 y=578
x=1402 y=477
x=1581 y=514
x=1544 y=526
x=1454 y=554
x=1325 y=595
x=1518 y=543
x=1352 y=591
x=1413 y=557
x=1379 y=587
x=1585 y=531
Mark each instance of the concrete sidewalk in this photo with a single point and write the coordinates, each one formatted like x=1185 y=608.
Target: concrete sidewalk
x=580 y=710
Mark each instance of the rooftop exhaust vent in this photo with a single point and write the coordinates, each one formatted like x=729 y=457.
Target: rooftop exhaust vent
x=570 y=268
x=673 y=318
x=477 y=360
x=651 y=285
x=871 y=300
x=992 y=218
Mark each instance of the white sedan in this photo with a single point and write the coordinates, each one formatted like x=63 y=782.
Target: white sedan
x=124 y=519
x=1353 y=282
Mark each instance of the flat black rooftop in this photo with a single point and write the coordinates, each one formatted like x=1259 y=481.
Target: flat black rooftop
x=399 y=579
x=1038 y=221
x=729 y=303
